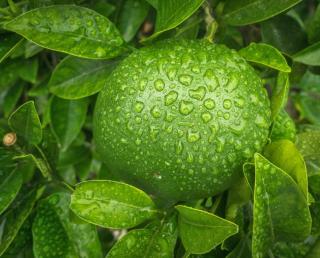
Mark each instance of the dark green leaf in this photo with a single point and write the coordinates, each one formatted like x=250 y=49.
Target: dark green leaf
x=71 y=29
x=55 y=235
x=242 y=12
x=284 y=33
x=279 y=94
x=309 y=55
x=25 y=122
x=201 y=231
x=313 y=27
x=10 y=187
x=67 y=119
x=172 y=13
x=280 y=208
x=157 y=240
x=8 y=43
x=29 y=70
x=13 y=220
x=76 y=78
x=285 y=155
x=265 y=55
x=11 y=98
x=111 y=204
x=132 y=15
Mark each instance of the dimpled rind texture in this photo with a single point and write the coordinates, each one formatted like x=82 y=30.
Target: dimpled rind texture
x=179 y=118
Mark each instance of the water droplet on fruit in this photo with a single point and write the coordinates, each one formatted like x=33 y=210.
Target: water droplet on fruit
x=190 y=157
x=198 y=93
x=210 y=80
x=171 y=73
x=138 y=141
x=209 y=104
x=156 y=112
x=232 y=84
x=143 y=83
x=206 y=117
x=239 y=102
x=227 y=103
x=195 y=69
x=185 y=79
x=186 y=107
x=139 y=106
x=261 y=122
x=179 y=147
x=193 y=136
x=159 y=85
x=170 y=98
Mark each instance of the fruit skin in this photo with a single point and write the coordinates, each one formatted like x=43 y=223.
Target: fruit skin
x=179 y=118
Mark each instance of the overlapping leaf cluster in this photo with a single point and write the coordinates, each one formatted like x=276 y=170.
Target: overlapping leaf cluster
x=56 y=197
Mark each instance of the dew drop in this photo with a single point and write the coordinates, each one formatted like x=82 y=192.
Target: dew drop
x=170 y=98
x=179 y=147
x=198 y=93
x=261 y=122
x=227 y=103
x=138 y=141
x=232 y=84
x=143 y=84
x=190 y=157
x=186 y=107
x=159 y=85
x=239 y=102
x=193 y=136
x=138 y=107
x=185 y=79
x=209 y=104
x=156 y=112
x=206 y=117
x=210 y=80
x=171 y=73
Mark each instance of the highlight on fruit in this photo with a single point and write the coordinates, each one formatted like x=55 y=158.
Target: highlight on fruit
x=148 y=128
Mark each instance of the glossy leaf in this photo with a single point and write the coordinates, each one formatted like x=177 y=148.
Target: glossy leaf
x=75 y=78
x=111 y=204
x=71 y=29
x=13 y=220
x=28 y=70
x=201 y=231
x=243 y=12
x=279 y=94
x=283 y=127
x=172 y=13
x=313 y=28
x=55 y=235
x=10 y=187
x=11 y=98
x=156 y=240
x=309 y=55
x=266 y=55
x=8 y=43
x=308 y=144
x=285 y=155
x=67 y=119
x=25 y=122
x=132 y=15
x=284 y=33
x=280 y=209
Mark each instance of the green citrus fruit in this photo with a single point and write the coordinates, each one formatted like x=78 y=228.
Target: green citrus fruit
x=179 y=118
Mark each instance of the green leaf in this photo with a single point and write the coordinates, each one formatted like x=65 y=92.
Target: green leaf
x=8 y=43
x=313 y=27
x=111 y=204
x=25 y=122
x=67 y=119
x=201 y=231
x=242 y=249
x=10 y=187
x=283 y=127
x=70 y=29
x=280 y=209
x=13 y=220
x=75 y=78
x=279 y=94
x=172 y=13
x=285 y=155
x=308 y=144
x=132 y=15
x=40 y=163
x=156 y=240
x=55 y=235
x=243 y=12
x=284 y=33
x=11 y=98
x=29 y=69
x=266 y=55
x=309 y=55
